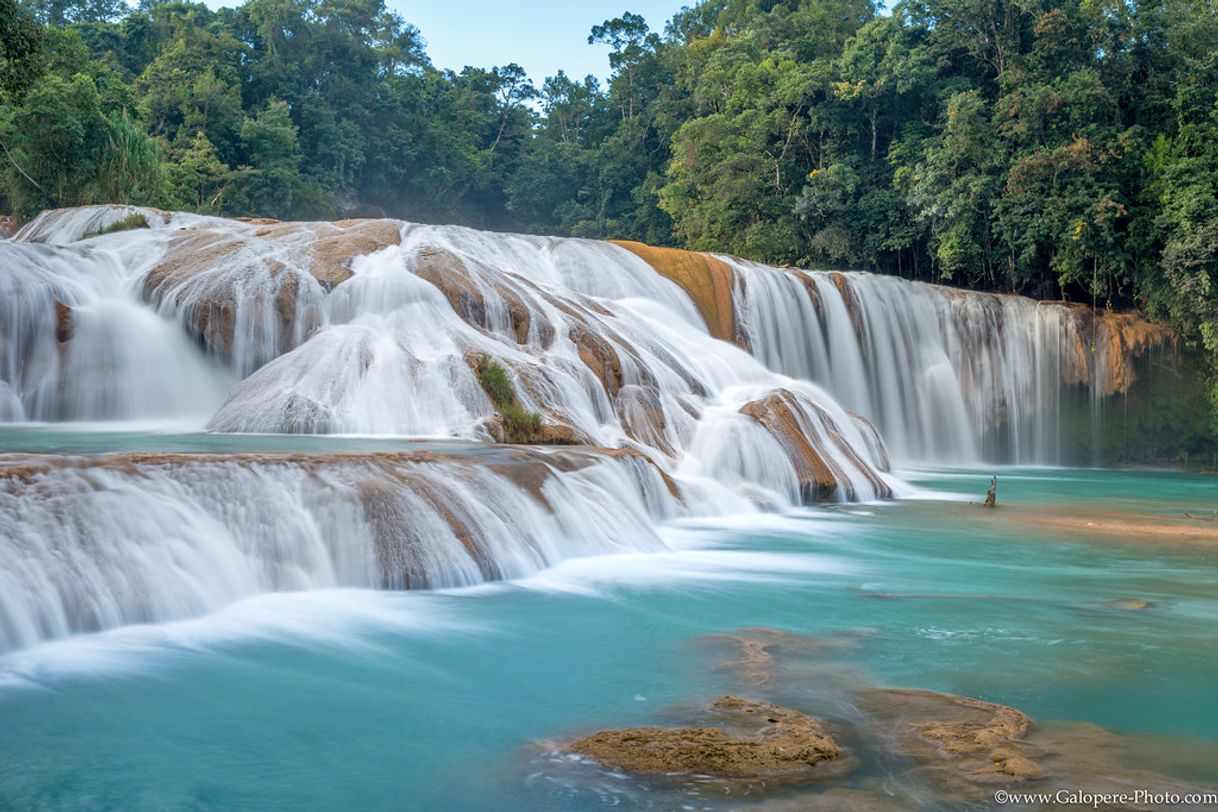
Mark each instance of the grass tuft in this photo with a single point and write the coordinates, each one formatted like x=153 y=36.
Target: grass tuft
x=519 y=425
x=131 y=221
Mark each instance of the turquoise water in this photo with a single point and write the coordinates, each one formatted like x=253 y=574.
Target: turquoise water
x=372 y=700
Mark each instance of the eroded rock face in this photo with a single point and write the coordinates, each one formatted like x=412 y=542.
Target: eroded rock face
x=1120 y=339
x=9 y=226
x=820 y=478
x=746 y=740
x=63 y=322
x=259 y=293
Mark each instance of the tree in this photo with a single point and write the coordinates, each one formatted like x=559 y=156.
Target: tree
x=20 y=42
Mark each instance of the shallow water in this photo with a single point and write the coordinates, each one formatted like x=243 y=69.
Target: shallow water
x=354 y=699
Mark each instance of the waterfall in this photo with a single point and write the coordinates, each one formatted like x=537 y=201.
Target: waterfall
x=79 y=345
x=663 y=383
x=88 y=544
x=945 y=375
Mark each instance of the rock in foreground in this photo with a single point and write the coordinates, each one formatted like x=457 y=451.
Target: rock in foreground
x=749 y=740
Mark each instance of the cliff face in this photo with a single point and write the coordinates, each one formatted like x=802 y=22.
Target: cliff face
x=1103 y=350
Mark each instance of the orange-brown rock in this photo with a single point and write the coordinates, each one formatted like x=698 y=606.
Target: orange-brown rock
x=707 y=280
x=63 y=322
x=333 y=254
x=1122 y=338
x=642 y=415
x=547 y=433
x=445 y=270
x=599 y=356
x=956 y=738
x=852 y=307
x=777 y=413
x=1107 y=344
x=819 y=477
x=746 y=740
x=9 y=226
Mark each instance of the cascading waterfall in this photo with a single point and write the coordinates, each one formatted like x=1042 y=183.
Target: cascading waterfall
x=381 y=328
x=945 y=375
x=89 y=544
x=78 y=345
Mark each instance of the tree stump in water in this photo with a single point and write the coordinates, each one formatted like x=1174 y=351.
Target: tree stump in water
x=991 y=496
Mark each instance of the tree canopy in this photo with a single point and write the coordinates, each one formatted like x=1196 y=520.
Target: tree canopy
x=1056 y=148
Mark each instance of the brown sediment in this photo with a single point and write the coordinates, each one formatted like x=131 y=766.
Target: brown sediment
x=956 y=741
x=746 y=740
x=1114 y=524
x=707 y=280
x=753 y=653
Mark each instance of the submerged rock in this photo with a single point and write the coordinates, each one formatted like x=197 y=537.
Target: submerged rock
x=975 y=740
x=747 y=740
x=1128 y=604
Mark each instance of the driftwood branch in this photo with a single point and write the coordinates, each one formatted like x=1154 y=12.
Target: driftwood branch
x=24 y=174
x=991 y=496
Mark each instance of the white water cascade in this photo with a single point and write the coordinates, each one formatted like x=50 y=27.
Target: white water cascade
x=945 y=375
x=78 y=344
x=89 y=544
x=383 y=328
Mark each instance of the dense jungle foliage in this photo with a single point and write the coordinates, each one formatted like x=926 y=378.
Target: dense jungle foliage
x=1057 y=148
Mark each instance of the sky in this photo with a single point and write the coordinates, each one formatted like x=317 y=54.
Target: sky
x=541 y=36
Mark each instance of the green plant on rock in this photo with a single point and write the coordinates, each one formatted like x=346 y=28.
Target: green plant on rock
x=519 y=424
x=131 y=221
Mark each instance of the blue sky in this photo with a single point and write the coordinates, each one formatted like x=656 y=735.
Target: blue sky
x=539 y=35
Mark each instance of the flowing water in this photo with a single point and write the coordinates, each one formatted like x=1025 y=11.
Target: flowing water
x=255 y=551
x=352 y=699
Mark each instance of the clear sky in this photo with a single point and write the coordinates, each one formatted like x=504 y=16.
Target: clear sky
x=541 y=36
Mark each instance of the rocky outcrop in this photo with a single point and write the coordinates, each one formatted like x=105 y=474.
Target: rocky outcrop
x=961 y=738
x=9 y=226
x=265 y=282
x=821 y=479
x=1120 y=339
x=467 y=295
x=63 y=322
x=337 y=244
x=744 y=740
x=707 y=280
